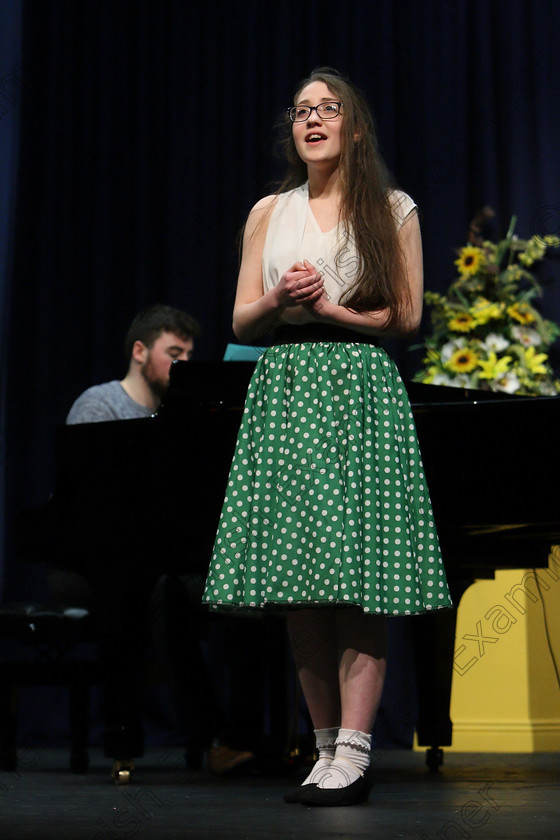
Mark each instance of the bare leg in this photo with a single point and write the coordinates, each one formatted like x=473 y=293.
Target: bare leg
x=314 y=646
x=361 y=648
x=340 y=656
x=362 y=664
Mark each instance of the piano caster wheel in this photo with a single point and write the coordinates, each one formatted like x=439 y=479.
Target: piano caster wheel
x=122 y=771
x=434 y=758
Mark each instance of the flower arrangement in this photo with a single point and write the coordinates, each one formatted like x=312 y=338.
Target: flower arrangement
x=486 y=332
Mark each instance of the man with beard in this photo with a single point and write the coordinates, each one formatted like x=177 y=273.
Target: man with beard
x=156 y=337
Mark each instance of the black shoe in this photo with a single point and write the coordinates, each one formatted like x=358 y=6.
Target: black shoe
x=294 y=796
x=353 y=794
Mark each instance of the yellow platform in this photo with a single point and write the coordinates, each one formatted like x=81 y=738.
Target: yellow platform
x=506 y=693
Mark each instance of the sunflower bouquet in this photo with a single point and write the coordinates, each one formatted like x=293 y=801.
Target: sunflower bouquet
x=486 y=332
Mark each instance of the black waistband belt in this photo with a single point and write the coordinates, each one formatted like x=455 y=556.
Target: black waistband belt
x=296 y=333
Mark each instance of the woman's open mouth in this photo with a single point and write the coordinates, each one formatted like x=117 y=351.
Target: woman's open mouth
x=314 y=137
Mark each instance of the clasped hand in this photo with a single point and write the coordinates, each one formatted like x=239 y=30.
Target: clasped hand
x=301 y=284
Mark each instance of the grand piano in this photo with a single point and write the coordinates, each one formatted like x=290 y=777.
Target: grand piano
x=136 y=498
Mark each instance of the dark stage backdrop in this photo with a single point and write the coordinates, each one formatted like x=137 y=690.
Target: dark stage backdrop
x=146 y=136
x=10 y=43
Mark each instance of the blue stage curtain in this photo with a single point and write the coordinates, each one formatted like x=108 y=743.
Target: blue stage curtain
x=146 y=136
x=10 y=70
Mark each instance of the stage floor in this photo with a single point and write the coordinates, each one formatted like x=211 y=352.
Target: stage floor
x=486 y=796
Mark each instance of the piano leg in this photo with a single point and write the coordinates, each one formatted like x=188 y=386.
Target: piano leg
x=434 y=646
x=124 y=639
x=123 y=690
x=117 y=600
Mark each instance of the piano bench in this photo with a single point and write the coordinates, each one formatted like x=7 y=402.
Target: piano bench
x=44 y=645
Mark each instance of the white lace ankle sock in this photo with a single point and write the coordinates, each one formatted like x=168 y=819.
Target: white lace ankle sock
x=351 y=759
x=325 y=742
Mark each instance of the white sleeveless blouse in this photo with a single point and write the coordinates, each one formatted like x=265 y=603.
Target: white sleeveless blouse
x=294 y=235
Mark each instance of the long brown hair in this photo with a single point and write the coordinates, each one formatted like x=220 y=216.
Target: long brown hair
x=365 y=211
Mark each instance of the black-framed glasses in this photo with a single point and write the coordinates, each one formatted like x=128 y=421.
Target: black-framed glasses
x=325 y=111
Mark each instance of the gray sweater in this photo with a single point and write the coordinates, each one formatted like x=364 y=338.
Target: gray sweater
x=108 y=401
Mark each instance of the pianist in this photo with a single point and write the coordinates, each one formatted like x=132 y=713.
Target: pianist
x=156 y=337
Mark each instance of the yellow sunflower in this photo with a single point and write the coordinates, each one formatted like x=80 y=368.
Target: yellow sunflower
x=470 y=260
x=462 y=322
x=463 y=360
x=521 y=312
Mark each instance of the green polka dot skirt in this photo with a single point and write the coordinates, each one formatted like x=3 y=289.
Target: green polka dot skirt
x=326 y=501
